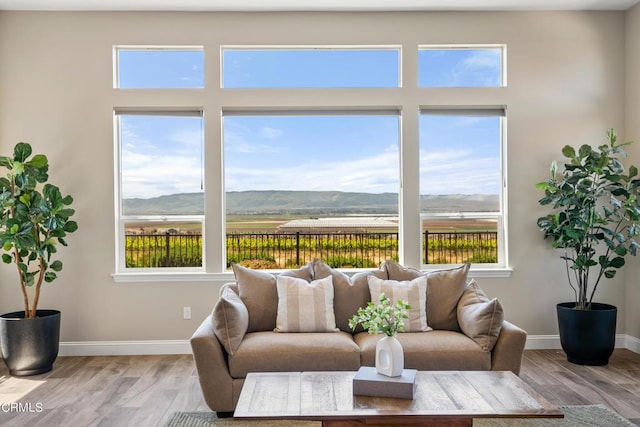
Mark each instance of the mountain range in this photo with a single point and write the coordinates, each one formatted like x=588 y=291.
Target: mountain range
x=307 y=202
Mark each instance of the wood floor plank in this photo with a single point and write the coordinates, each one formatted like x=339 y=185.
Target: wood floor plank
x=144 y=391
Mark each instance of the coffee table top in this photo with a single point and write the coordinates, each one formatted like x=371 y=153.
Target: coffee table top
x=328 y=395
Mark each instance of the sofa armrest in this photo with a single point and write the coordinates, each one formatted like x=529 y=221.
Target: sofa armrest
x=211 y=365
x=509 y=349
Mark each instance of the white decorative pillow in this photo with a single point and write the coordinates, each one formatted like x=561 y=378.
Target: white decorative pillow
x=412 y=291
x=305 y=306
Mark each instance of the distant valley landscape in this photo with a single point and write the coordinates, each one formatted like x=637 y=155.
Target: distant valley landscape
x=307 y=202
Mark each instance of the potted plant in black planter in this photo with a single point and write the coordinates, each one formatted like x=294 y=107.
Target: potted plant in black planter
x=34 y=219
x=594 y=221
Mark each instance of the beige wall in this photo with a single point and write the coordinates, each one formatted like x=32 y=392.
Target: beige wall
x=632 y=132
x=566 y=78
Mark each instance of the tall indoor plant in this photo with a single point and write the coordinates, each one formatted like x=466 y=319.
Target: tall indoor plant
x=34 y=218
x=595 y=220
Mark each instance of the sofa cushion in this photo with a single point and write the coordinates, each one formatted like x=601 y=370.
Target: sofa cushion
x=305 y=306
x=257 y=289
x=413 y=292
x=430 y=351
x=444 y=289
x=349 y=293
x=305 y=272
x=230 y=319
x=480 y=318
x=283 y=352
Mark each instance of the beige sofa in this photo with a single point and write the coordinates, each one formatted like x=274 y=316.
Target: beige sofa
x=466 y=329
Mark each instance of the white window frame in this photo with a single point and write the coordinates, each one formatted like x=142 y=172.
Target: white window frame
x=503 y=58
x=122 y=220
x=214 y=101
x=390 y=47
x=116 y=63
x=501 y=216
x=383 y=111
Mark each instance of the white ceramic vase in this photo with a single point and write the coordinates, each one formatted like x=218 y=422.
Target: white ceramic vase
x=389 y=357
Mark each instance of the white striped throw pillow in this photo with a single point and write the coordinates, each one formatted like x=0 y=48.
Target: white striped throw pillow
x=412 y=291
x=305 y=306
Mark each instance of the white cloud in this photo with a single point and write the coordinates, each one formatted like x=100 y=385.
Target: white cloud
x=271 y=133
x=482 y=59
x=458 y=172
x=161 y=175
x=375 y=174
x=480 y=68
x=151 y=170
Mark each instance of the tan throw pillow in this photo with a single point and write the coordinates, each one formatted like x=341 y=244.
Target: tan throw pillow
x=412 y=291
x=257 y=289
x=305 y=272
x=349 y=293
x=304 y=306
x=399 y=272
x=444 y=289
x=480 y=318
x=230 y=320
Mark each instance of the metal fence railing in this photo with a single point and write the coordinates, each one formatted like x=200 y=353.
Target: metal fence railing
x=286 y=250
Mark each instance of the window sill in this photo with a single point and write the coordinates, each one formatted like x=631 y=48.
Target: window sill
x=178 y=276
x=503 y=272
x=198 y=276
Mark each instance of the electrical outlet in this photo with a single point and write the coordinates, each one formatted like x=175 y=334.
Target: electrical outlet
x=186 y=313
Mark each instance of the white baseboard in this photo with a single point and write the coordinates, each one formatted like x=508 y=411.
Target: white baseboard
x=552 y=342
x=123 y=348
x=632 y=343
x=139 y=348
x=543 y=342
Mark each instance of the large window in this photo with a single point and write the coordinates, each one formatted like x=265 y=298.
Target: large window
x=161 y=209
x=337 y=152
x=304 y=186
x=461 y=186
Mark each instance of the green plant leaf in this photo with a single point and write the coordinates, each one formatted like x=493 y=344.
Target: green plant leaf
x=585 y=151
x=21 y=152
x=617 y=262
x=568 y=151
x=70 y=226
x=6 y=258
x=620 y=250
x=38 y=161
x=542 y=185
x=56 y=265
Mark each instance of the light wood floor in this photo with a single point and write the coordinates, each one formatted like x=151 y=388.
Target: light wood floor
x=144 y=390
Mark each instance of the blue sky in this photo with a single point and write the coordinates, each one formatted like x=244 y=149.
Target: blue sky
x=355 y=153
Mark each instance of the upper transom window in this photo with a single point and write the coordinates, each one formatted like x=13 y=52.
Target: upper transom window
x=159 y=67
x=468 y=66
x=310 y=67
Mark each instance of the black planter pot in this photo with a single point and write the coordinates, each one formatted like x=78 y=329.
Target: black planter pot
x=30 y=346
x=588 y=337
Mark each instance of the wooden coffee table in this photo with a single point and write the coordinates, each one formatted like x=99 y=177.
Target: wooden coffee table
x=442 y=398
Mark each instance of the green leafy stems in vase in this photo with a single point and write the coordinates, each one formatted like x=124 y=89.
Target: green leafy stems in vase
x=382 y=318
